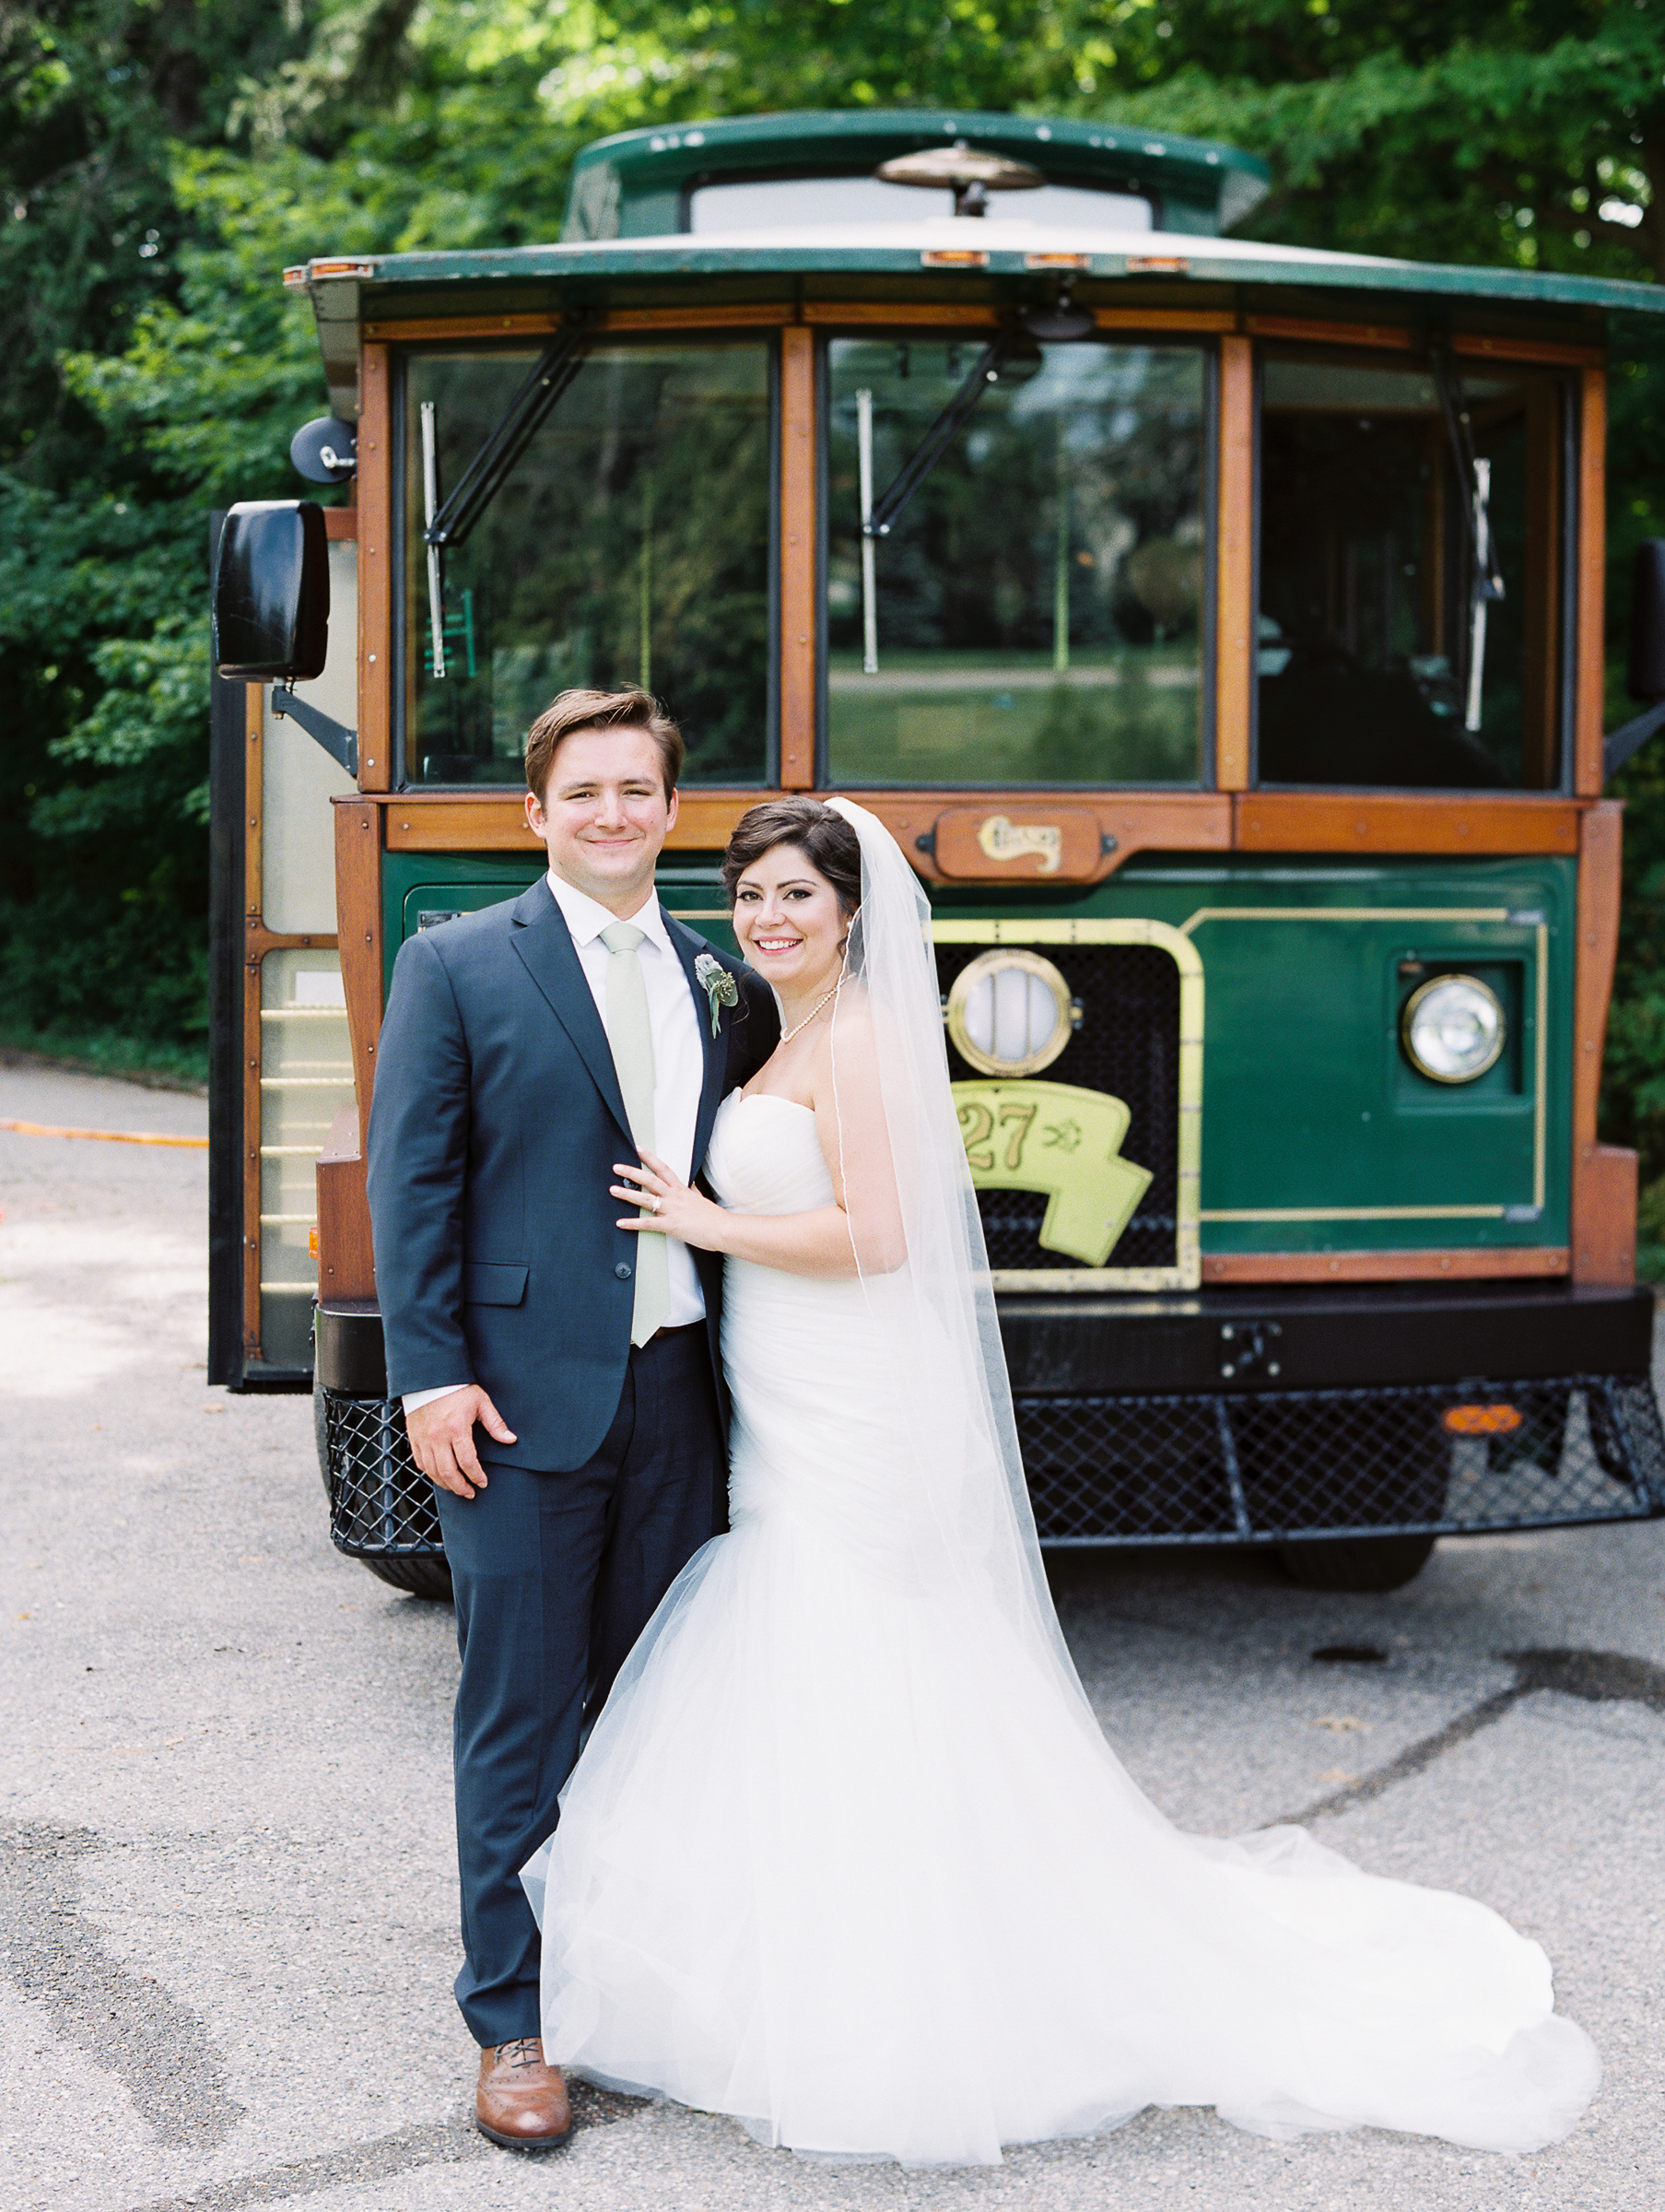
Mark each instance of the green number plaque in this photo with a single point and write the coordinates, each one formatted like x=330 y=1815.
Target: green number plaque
x=1064 y=1141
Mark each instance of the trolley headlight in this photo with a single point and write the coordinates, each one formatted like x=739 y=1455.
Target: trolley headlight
x=1452 y=1029
x=1010 y=1014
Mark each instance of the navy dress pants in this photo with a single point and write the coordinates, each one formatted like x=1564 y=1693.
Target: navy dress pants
x=555 y=1576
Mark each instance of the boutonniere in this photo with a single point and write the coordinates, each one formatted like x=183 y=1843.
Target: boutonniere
x=719 y=985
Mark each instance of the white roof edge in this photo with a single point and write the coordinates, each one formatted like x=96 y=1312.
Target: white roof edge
x=994 y=235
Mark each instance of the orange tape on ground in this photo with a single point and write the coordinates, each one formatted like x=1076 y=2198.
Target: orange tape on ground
x=105 y=1136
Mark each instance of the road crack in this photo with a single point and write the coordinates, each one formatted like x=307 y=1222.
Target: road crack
x=1600 y=1677
x=125 y=2024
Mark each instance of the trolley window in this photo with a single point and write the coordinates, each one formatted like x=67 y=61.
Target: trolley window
x=1412 y=624
x=1035 y=613
x=628 y=545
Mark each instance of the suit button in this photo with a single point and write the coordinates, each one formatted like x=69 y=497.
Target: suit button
x=622 y=1271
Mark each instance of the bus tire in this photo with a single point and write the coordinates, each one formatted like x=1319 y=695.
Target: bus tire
x=1355 y=1563
x=421 y=1574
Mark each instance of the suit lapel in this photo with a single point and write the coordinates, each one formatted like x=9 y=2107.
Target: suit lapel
x=544 y=942
x=689 y=946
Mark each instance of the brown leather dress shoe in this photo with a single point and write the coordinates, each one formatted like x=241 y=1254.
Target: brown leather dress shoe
x=521 y=2103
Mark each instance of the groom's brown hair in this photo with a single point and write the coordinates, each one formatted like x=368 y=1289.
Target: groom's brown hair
x=574 y=710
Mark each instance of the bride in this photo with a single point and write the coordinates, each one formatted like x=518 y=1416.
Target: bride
x=847 y=1855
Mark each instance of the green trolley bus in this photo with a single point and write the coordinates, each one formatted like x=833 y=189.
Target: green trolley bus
x=1218 y=629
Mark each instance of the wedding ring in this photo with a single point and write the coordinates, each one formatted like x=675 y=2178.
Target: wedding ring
x=654 y=1204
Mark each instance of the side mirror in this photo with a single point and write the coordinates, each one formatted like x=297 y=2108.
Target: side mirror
x=272 y=592
x=1646 y=674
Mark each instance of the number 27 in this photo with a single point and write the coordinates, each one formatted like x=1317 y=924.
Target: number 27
x=978 y=1125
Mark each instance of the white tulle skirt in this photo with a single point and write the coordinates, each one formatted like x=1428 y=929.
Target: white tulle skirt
x=841 y=1860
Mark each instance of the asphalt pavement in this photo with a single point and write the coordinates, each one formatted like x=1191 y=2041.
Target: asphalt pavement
x=228 y=1913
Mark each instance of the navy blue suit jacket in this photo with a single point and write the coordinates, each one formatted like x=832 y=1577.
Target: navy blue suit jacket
x=496 y=1123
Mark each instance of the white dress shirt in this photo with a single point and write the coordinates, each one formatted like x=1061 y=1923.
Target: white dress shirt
x=678 y=1067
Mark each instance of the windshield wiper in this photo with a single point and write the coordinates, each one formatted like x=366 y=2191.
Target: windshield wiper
x=880 y=517
x=1475 y=476
x=887 y=510
x=483 y=478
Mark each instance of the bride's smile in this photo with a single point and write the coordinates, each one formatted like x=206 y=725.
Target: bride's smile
x=792 y=927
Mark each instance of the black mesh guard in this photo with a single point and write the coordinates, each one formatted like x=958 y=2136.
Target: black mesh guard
x=1208 y=1469
x=1347 y=1462
x=380 y=1503
x=1128 y=1044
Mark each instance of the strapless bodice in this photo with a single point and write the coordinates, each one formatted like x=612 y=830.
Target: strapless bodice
x=765 y=1156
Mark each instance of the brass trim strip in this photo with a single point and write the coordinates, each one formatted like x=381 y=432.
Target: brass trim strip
x=1341 y=913
x=1186 y=1274
x=1541 y=1062
x=1089 y=1278
x=1355 y=1213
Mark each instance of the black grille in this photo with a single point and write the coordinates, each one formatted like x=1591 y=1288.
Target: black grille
x=381 y=1505
x=1237 y=1468
x=1128 y=1044
x=1219 y=1470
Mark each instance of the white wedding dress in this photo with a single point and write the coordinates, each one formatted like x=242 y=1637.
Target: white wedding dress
x=842 y=1858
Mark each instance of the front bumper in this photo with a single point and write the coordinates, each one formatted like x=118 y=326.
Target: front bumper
x=1322 y=1336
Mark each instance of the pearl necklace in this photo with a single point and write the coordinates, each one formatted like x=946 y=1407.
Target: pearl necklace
x=787 y=1035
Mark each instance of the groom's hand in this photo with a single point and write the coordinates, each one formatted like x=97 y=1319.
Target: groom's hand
x=442 y=1438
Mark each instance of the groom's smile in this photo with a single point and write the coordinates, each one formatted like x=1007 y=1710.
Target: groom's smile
x=604 y=815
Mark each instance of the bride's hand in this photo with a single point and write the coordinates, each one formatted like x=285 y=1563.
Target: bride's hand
x=676 y=1210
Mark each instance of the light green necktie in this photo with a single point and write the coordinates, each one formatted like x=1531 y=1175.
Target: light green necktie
x=630 y=1034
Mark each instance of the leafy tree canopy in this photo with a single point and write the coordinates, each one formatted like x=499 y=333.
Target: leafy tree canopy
x=161 y=161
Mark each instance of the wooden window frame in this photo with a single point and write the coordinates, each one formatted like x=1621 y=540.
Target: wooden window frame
x=395 y=634
x=832 y=319
x=1556 y=589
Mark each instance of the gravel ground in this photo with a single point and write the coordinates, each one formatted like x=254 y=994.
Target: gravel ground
x=227 y=1913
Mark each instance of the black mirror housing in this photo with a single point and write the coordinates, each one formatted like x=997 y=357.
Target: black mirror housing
x=1647 y=673
x=272 y=592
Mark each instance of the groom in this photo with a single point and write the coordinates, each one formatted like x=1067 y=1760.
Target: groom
x=560 y=1376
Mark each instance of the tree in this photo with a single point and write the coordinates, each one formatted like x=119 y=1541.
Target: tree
x=162 y=161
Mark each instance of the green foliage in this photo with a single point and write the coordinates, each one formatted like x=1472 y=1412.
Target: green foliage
x=162 y=163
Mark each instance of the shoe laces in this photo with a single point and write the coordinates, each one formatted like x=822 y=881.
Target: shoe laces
x=526 y=2051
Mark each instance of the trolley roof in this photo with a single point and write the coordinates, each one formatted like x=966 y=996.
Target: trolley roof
x=639 y=184
x=639 y=188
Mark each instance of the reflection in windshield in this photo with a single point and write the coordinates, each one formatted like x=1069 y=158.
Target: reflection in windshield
x=1038 y=604
x=628 y=545
x=1379 y=662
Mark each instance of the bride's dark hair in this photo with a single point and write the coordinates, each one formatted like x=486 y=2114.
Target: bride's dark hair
x=824 y=836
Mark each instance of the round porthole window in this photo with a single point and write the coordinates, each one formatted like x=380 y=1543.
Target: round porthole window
x=1010 y=1013
x=1452 y=1029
